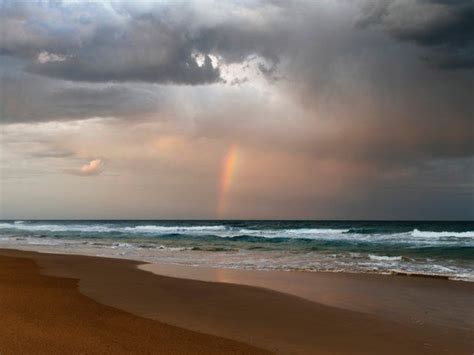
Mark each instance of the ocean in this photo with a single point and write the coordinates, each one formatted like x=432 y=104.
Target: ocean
x=427 y=248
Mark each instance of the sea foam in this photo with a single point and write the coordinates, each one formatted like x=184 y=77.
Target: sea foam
x=384 y=258
x=431 y=234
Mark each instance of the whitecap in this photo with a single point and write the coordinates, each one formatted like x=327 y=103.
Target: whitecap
x=91 y=228
x=384 y=258
x=431 y=234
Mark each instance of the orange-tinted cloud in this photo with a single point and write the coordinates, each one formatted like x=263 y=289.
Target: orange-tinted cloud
x=93 y=168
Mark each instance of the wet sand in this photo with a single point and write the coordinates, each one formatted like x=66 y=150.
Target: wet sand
x=407 y=299
x=264 y=318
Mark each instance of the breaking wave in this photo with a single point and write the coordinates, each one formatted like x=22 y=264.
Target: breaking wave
x=431 y=248
x=429 y=234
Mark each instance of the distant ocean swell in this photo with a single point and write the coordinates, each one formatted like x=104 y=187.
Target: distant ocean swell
x=429 y=248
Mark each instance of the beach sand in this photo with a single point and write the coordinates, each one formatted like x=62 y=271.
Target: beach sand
x=42 y=314
x=121 y=308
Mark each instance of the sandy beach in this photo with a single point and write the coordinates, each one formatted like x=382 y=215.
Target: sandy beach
x=47 y=315
x=79 y=304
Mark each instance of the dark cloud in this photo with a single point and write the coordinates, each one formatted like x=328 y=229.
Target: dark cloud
x=180 y=68
x=94 y=43
x=26 y=98
x=174 y=43
x=163 y=43
x=445 y=28
x=54 y=152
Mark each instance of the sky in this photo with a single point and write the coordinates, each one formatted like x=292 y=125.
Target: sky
x=253 y=109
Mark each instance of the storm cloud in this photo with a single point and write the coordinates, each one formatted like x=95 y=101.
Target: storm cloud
x=121 y=42
x=444 y=28
x=334 y=105
x=27 y=98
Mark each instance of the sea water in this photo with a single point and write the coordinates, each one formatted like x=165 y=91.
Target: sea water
x=427 y=248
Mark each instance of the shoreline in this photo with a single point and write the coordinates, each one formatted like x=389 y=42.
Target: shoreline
x=427 y=249
x=145 y=260
x=260 y=316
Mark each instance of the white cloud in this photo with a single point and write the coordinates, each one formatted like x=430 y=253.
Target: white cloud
x=46 y=57
x=93 y=168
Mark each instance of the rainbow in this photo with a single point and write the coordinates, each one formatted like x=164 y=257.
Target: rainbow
x=227 y=174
